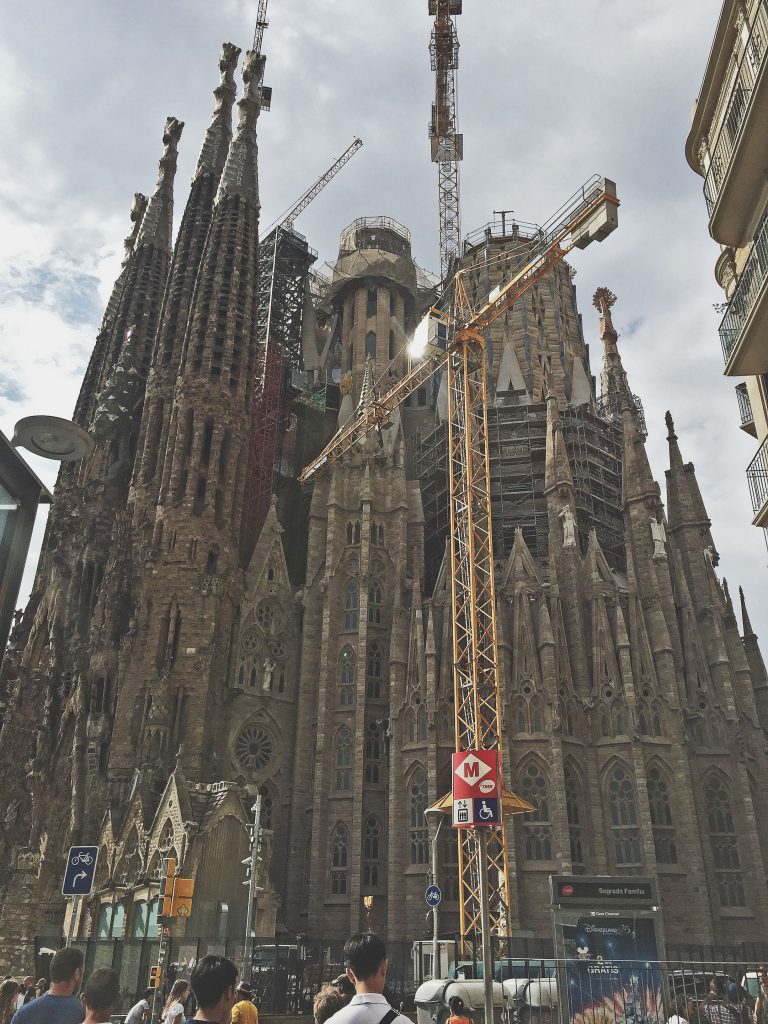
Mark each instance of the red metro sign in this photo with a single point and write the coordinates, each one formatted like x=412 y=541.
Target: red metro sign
x=476 y=773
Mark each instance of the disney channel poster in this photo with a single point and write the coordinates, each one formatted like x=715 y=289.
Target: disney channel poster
x=612 y=973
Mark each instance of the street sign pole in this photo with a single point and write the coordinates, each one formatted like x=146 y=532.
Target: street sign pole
x=481 y=835
x=435 y=932
x=72 y=918
x=252 y=889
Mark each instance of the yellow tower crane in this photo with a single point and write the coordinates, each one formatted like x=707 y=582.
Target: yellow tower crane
x=451 y=336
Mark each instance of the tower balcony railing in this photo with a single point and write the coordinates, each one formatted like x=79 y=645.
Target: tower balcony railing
x=745 y=407
x=757 y=477
x=742 y=88
x=748 y=298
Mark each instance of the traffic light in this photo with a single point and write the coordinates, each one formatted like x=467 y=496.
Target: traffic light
x=250 y=861
x=181 y=904
x=154 y=977
x=166 y=886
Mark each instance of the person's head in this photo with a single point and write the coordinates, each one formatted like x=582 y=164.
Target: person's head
x=213 y=981
x=101 y=992
x=28 y=982
x=147 y=994
x=40 y=986
x=9 y=991
x=243 y=992
x=718 y=986
x=67 y=970
x=329 y=1000
x=456 y=1005
x=365 y=957
x=344 y=985
x=179 y=992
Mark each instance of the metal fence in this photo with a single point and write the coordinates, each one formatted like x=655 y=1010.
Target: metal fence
x=287 y=974
x=751 y=281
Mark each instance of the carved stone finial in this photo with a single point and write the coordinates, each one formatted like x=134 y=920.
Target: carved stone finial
x=671 y=435
x=219 y=134
x=603 y=300
x=156 y=226
x=138 y=209
x=240 y=174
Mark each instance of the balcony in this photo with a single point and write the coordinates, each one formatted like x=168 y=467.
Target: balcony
x=744 y=326
x=734 y=180
x=757 y=477
x=745 y=409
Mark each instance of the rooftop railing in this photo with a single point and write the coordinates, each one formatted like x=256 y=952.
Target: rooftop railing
x=743 y=299
x=757 y=477
x=747 y=72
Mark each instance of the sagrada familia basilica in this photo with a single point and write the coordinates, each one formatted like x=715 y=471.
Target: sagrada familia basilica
x=193 y=640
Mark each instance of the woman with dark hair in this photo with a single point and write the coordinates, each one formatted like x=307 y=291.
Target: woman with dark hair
x=9 y=994
x=173 y=1011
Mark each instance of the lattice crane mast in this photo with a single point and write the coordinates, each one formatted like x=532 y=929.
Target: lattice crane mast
x=284 y=262
x=447 y=143
x=590 y=215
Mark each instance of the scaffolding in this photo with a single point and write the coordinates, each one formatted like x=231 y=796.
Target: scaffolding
x=517 y=438
x=285 y=260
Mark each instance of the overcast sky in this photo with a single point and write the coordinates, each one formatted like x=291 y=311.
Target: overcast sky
x=550 y=91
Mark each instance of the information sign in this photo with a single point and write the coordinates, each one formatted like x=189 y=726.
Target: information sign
x=433 y=896
x=476 y=786
x=81 y=867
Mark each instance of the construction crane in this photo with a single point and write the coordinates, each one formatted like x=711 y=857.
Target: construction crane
x=284 y=262
x=447 y=143
x=589 y=215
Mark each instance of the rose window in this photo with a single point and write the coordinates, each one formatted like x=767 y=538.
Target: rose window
x=265 y=617
x=253 y=748
x=277 y=648
x=250 y=640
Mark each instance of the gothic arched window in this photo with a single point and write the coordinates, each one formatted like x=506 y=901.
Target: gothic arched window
x=537 y=827
x=352 y=605
x=421 y=724
x=724 y=842
x=446 y=727
x=344 y=759
x=347 y=674
x=373 y=671
x=339 y=860
x=354 y=532
x=627 y=852
x=418 y=844
x=529 y=713
x=375 y=600
x=392 y=345
x=370 y=344
x=373 y=754
x=573 y=812
x=370 y=306
x=661 y=816
x=371 y=852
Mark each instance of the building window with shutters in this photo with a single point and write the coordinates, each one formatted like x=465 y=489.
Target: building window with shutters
x=339 y=860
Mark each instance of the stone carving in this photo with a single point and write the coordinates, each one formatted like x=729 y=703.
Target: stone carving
x=659 y=540
x=345 y=386
x=269 y=669
x=569 y=527
x=710 y=556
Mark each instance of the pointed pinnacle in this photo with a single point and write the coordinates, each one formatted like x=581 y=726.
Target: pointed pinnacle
x=671 y=435
x=746 y=626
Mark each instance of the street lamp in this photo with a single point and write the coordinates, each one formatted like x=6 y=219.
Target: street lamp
x=434 y=816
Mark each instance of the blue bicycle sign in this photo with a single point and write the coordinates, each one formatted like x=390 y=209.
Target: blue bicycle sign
x=433 y=896
x=81 y=867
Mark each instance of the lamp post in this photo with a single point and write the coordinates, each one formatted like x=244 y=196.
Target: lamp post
x=434 y=818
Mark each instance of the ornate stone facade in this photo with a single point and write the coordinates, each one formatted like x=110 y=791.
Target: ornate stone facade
x=156 y=683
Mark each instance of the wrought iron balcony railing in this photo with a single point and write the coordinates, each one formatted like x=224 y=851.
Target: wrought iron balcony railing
x=747 y=72
x=757 y=476
x=750 y=282
x=745 y=406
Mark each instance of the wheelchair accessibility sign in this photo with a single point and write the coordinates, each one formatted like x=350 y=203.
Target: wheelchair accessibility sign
x=471 y=812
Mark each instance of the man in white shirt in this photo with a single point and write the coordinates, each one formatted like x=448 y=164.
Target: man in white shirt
x=365 y=957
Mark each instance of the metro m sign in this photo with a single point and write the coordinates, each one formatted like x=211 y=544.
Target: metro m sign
x=476 y=773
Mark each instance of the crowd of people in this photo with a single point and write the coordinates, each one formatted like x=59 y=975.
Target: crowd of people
x=356 y=997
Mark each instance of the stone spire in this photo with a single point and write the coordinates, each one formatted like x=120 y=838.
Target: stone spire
x=240 y=176
x=190 y=245
x=747 y=632
x=688 y=519
x=218 y=137
x=157 y=225
x=756 y=664
x=557 y=472
x=615 y=392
